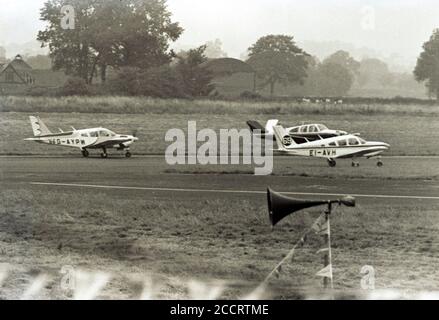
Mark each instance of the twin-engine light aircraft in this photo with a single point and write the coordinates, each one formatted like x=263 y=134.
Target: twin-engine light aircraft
x=95 y=138
x=304 y=133
x=345 y=146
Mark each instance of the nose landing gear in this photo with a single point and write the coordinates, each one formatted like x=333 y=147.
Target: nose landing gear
x=355 y=163
x=379 y=162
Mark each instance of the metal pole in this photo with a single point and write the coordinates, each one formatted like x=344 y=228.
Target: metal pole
x=327 y=256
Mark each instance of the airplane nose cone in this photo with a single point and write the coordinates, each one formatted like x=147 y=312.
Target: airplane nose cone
x=135 y=138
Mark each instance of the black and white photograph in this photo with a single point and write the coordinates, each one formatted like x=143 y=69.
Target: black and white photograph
x=193 y=150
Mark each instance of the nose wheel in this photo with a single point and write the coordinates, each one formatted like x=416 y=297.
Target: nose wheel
x=355 y=163
x=379 y=162
x=128 y=154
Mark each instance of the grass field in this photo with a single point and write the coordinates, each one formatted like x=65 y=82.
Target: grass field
x=143 y=105
x=408 y=134
x=222 y=240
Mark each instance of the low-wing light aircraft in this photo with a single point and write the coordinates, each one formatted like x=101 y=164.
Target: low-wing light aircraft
x=346 y=146
x=94 y=138
x=303 y=133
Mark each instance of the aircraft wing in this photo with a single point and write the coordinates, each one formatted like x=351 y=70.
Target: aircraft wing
x=110 y=142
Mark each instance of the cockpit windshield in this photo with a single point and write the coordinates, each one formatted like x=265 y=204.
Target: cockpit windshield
x=106 y=133
x=362 y=141
x=322 y=127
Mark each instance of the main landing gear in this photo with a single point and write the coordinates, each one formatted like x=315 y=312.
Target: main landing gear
x=104 y=153
x=332 y=163
x=85 y=153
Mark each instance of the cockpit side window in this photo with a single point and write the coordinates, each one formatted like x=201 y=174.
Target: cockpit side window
x=94 y=134
x=362 y=141
x=312 y=128
x=353 y=142
x=342 y=143
x=104 y=133
x=322 y=127
x=84 y=134
x=294 y=130
x=333 y=144
x=304 y=129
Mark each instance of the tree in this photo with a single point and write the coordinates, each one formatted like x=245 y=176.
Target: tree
x=160 y=82
x=196 y=79
x=277 y=59
x=332 y=79
x=2 y=54
x=187 y=78
x=373 y=72
x=41 y=62
x=214 y=50
x=344 y=59
x=108 y=33
x=427 y=67
x=75 y=87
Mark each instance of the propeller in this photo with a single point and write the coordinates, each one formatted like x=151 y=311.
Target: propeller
x=134 y=134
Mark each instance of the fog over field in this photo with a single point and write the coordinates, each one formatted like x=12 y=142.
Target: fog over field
x=373 y=28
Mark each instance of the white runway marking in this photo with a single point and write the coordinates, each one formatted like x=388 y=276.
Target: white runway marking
x=74 y=185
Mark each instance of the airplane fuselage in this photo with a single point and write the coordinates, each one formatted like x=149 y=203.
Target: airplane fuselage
x=87 y=139
x=347 y=146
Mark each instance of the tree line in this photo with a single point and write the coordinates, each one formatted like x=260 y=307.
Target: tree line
x=133 y=38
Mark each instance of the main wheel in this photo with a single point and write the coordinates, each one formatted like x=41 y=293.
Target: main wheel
x=85 y=153
x=104 y=155
x=380 y=163
x=128 y=154
x=332 y=163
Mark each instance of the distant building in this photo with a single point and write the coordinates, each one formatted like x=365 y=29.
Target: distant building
x=17 y=77
x=232 y=77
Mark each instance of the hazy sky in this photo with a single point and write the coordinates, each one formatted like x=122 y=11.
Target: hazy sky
x=387 y=26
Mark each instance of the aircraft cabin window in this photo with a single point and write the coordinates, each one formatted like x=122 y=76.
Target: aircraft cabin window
x=103 y=133
x=304 y=129
x=312 y=129
x=93 y=134
x=353 y=142
x=333 y=144
x=342 y=143
x=294 y=130
x=84 y=135
x=362 y=141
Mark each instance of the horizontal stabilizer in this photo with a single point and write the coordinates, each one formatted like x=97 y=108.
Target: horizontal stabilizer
x=255 y=125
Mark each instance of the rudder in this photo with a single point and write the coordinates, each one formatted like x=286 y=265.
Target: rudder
x=38 y=126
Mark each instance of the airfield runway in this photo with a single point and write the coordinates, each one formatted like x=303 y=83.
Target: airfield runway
x=151 y=177
x=139 y=215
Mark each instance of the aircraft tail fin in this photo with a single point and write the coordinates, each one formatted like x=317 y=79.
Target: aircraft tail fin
x=255 y=125
x=270 y=125
x=283 y=139
x=38 y=126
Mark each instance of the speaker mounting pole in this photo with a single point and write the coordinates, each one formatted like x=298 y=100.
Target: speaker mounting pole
x=327 y=258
